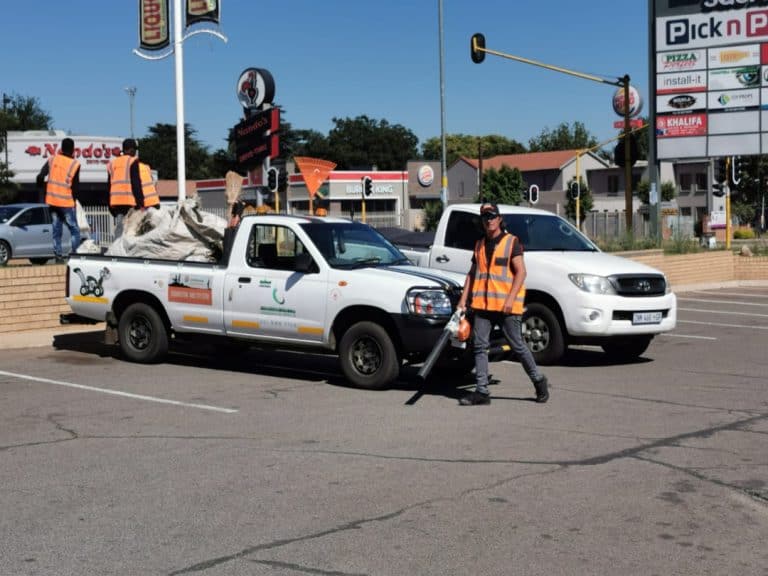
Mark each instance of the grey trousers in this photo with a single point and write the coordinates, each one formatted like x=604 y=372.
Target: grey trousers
x=511 y=326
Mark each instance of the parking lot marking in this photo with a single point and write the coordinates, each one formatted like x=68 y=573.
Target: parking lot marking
x=688 y=336
x=118 y=393
x=750 y=295
x=722 y=325
x=750 y=314
x=722 y=302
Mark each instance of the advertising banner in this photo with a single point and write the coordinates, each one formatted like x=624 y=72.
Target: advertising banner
x=681 y=125
x=202 y=11
x=681 y=102
x=154 y=29
x=694 y=81
x=734 y=78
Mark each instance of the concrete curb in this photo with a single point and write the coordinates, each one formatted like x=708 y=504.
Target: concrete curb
x=42 y=338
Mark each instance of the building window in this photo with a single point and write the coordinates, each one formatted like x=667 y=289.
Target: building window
x=701 y=182
x=686 y=180
x=613 y=185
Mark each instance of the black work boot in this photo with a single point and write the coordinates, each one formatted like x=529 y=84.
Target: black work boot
x=475 y=399
x=542 y=392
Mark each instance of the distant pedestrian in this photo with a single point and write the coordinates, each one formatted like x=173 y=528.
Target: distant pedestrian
x=148 y=187
x=124 y=181
x=61 y=190
x=495 y=292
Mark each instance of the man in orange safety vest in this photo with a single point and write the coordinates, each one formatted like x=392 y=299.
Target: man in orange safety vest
x=124 y=181
x=495 y=292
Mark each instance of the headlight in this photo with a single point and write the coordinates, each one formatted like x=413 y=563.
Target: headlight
x=592 y=284
x=424 y=302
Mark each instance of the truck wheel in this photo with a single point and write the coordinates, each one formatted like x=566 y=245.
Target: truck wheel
x=543 y=334
x=628 y=348
x=368 y=357
x=5 y=252
x=142 y=333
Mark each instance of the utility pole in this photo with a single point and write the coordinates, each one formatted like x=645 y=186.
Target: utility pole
x=6 y=101
x=443 y=162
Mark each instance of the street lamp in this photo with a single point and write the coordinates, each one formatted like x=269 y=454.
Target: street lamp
x=131 y=90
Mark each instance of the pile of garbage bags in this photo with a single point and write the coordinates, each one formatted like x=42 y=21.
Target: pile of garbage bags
x=178 y=232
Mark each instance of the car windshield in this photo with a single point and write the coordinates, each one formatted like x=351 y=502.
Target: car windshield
x=352 y=245
x=544 y=232
x=7 y=212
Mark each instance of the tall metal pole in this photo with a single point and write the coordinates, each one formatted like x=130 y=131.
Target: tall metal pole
x=627 y=158
x=443 y=167
x=131 y=90
x=6 y=101
x=178 y=52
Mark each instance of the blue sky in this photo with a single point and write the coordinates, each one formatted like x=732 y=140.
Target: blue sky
x=337 y=58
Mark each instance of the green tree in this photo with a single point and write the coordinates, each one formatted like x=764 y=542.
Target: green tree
x=363 y=142
x=585 y=201
x=564 y=137
x=458 y=145
x=158 y=149
x=432 y=213
x=668 y=191
x=503 y=186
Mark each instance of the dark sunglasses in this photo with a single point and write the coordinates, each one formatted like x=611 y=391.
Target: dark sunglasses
x=488 y=216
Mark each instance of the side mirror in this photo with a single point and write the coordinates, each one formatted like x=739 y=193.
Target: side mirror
x=304 y=263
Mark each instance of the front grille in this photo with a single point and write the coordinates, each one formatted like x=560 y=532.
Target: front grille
x=639 y=286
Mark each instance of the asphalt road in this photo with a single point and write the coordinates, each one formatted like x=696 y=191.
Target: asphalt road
x=268 y=464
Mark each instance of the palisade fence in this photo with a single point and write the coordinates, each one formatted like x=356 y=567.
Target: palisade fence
x=102 y=223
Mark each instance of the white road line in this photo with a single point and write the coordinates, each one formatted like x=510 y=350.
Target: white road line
x=750 y=314
x=722 y=325
x=118 y=393
x=721 y=302
x=688 y=336
x=728 y=294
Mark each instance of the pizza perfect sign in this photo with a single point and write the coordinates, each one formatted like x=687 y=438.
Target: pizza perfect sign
x=26 y=155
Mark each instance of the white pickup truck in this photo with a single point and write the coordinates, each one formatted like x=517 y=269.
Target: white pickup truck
x=576 y=294
x=290 y=281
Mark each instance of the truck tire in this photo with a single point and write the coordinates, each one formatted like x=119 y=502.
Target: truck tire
x=543 y=334
x=368 y=356
x=629 y=348
x=142 y=333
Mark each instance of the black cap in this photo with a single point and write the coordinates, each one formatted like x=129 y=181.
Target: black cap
x=129 y=144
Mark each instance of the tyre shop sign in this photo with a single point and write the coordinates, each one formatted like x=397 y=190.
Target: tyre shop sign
x=681 y=125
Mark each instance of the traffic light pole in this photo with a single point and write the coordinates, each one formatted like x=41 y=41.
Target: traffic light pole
x=727 y=190
x=478 y=51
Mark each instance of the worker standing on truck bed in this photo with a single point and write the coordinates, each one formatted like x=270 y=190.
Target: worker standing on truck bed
x=496 y=293
x=124 y=181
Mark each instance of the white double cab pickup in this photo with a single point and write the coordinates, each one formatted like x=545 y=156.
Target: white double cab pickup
x=575 y=294
x=289 y=281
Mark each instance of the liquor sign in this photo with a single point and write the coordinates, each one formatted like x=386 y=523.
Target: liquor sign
x=154 y=28
x=202 y=11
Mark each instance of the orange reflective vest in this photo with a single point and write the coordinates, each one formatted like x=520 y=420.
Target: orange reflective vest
x=151 y=196
x=120 y=191
x=492 y=284
x=58 y=190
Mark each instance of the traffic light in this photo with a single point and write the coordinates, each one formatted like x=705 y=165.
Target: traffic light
x=477 y=48
x=574 y=190
x=282 y=181
x=272 y=175
x=721 y=170
x=533 y=194
x=717 y=190
x=738 y=166
x=367 y=185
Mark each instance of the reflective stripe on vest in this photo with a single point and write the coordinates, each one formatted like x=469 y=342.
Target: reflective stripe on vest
x=120 y=191
x=151 y=196
x=58 y=190
x=491 y=285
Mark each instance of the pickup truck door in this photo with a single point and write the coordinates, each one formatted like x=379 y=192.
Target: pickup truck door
x=266 y=297
x=455 y=241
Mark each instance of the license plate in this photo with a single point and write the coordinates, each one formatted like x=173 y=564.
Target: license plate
x=646 y=318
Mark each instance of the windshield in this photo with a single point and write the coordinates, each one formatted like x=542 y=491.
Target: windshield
x=352 y=245
x=540 y=232
x=7 y=212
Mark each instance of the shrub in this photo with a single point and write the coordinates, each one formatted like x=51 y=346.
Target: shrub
x=744 y=234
